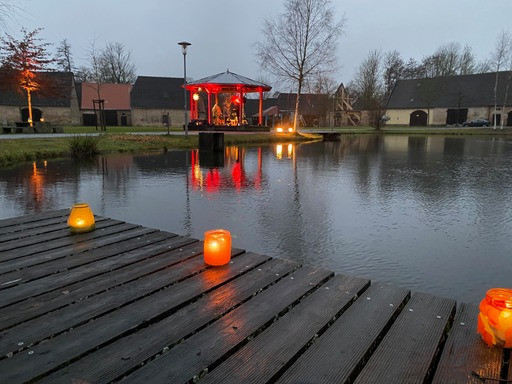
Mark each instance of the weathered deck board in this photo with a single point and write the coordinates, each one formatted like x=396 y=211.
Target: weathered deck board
x=125 y=302
x=423 y=322
x=127 y=255
x=58 y=351
x=338 y=354
x=37 y=306
x=204 y=348
x=42 y=243
x=279 y=344
x=28 y=219
x=466 y=353
x=29 y=229
x=68 y=263
x=129 y=352
x=110 y=235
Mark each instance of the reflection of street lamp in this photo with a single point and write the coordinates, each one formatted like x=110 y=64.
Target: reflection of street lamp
x=184 y=46
x=195 y=97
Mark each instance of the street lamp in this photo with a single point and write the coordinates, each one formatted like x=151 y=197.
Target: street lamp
x=184 y=45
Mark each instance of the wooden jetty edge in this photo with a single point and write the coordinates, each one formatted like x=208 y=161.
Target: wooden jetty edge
x=135 y=304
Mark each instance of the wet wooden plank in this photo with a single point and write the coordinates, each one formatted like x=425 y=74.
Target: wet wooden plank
x=102 y=237
x=130 y=352
x=408 y=351
x=72 y=261
x=36 y=217
x=53 y=354
x=216 y=342
x=25 y=229
x=337 y=356
x=163 y=255
x=40 y=243
x=465 y=354
x=278 y=346
x=29 y=232
x=90 y=308
x=109 y=259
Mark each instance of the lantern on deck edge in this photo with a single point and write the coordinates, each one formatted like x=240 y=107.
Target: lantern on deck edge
x=495 y=317
x=217 y=247
x=81 y=218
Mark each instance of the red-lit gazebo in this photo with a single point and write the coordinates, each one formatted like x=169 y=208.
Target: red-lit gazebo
x=234 y=87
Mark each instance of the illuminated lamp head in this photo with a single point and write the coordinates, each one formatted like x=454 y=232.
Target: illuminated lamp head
x=279 y=130
x=290 y=129
x=195 y=96
x=81 y=218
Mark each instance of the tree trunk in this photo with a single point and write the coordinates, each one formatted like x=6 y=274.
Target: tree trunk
x=29 y=100
x=296 y=114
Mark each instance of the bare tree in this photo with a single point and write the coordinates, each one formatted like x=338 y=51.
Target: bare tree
x=116 y=64
x=499 y=57
x=8 y=11
x=411 y=69
x=83 y=74
x=300 y=43
x=64 y=58
x=467 y=61
x=393 y=70
x=449 y=60
x=94 y=74
x=368 y=85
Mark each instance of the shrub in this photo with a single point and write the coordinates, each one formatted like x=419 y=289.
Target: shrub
x=83 y=147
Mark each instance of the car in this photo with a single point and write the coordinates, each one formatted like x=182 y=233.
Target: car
x=476 y=123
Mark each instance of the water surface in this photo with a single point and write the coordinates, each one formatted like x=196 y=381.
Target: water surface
x=429 y=213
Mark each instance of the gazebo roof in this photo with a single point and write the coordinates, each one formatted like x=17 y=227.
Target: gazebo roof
x=228 y=82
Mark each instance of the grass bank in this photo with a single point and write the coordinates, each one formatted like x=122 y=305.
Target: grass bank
x=14 y=151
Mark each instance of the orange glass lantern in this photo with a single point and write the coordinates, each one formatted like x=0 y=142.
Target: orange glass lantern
x=81 y=219
x=217 y=247
x=495 y=318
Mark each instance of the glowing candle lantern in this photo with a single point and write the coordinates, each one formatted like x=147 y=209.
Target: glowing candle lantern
x=81 y=219
x=217 y=247
x=495 y=318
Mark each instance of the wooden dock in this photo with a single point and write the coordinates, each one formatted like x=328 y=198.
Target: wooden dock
x=134 y=304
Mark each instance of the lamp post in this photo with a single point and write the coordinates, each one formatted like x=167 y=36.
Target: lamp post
x=184 y=46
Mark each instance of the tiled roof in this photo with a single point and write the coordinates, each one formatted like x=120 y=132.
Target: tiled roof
x=157 y=92
x=449 y=91
x=116 y=96
x=229 y=78
x=55 y=91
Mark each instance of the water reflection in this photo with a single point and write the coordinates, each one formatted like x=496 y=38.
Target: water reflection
x=427 y=212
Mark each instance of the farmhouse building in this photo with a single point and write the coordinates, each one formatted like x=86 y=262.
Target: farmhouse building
x=155 y=98
x=55 y=101
x=114 y=100
x=450 y=100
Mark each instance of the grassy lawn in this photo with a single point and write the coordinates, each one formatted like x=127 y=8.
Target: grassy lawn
x=13 y=151
x=117 y=139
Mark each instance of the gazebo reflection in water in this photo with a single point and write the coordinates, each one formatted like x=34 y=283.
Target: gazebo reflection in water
x=218 y=103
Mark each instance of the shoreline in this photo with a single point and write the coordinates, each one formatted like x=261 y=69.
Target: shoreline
x=15 y=149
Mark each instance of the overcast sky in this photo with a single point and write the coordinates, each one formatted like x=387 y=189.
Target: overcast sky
x=222 y=32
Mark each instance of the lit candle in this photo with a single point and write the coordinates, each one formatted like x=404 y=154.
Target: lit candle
x=495 y=318
x=81 y=219
x=217 y=247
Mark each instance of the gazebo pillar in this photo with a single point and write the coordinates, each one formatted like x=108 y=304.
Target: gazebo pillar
x=260 y=109
x=209 y=107
x=240 y=107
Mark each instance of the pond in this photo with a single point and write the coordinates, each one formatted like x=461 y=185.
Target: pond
x=428 y=213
